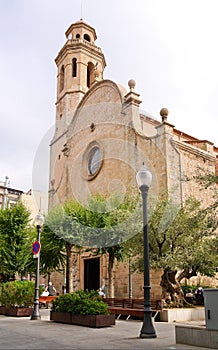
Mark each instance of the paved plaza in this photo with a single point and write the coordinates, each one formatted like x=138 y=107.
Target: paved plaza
x=23 y=333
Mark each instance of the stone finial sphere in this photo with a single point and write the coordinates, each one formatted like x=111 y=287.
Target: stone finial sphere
x=164 y=112
x=131 y=83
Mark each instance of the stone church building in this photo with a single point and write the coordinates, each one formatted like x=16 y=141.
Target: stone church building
x=101 y=140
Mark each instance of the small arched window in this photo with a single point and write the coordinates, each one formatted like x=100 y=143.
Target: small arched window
x=62 y=73
x=74 y=67
x=87 y=37
x=88 y=77
x=90 y=74
x=77 y=36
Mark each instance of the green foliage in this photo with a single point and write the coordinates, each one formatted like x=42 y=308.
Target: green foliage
x=118 y=221
x=184 y=242
x=101 y=222
x=100 y=226
x=52 y=253
x=81 y=302
x=180 y=242
x=186 y=288
x=17 y=293
x=15 y=241
x=206 y=179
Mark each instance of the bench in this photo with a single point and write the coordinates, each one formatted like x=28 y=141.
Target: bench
x=131 y=307
x=46 y=300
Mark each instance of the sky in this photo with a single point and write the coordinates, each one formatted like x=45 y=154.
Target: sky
x=168 y=47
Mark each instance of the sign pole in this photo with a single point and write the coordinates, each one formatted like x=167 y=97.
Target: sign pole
x=36 y=250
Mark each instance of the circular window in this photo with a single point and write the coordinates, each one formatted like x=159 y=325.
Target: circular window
x=94 y=160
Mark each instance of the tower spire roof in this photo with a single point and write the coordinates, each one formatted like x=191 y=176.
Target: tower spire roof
x=80 y=27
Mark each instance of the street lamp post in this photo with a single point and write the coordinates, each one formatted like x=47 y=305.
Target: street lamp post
x=144 y=178
x=39 y=221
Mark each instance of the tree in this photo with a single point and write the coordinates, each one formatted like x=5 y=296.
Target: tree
x=181 y=247
x=118 y=223
x=52 y=253
x=16 y=238
x=63 y=236
x=55 y=251
x=100 y=226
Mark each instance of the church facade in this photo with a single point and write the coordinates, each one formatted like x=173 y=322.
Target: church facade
x=102 y=139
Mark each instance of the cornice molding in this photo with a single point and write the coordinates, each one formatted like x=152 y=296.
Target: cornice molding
x=80 y=45
x=194 y=150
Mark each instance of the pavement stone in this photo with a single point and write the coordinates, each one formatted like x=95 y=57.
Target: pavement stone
x=23 y=333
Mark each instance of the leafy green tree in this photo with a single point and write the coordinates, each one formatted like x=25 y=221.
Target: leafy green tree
x=53 y=243
x=61 y=240
x=117 y=224
x=99 y=227
x=52 y=253
x=181 y=246
x=16 y=239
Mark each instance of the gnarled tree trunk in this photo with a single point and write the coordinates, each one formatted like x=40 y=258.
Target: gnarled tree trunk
x=171 y=288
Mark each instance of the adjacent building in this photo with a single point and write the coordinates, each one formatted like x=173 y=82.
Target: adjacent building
x=33 y=200
x=8 y=196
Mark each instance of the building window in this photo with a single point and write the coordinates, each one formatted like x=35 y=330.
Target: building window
x=90 y=74
x=94 y=160
x=62 y=73
x=74 y=67
x=87 y=37
x=77 y=36
x=88 y=77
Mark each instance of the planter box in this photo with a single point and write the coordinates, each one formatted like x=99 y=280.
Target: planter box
x=93 y=320
x=83 y=320
x=3 y=310
x=63 y=317
x=19 y=311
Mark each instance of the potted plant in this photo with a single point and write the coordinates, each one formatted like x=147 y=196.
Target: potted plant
x=16 y=298
x=84 y=308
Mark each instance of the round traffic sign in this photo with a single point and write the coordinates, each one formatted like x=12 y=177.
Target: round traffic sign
x=35 y=247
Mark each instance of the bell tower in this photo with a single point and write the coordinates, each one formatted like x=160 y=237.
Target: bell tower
x=80 y=63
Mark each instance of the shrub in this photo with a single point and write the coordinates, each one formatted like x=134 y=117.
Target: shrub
x=17 y=293
x=188 y=287
x=81 y=302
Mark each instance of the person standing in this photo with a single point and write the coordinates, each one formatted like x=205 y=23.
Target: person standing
x=51 y=289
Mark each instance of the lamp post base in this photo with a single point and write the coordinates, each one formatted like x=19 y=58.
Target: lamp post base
x=35 y=315
x=148 y=330
x=148 y=336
